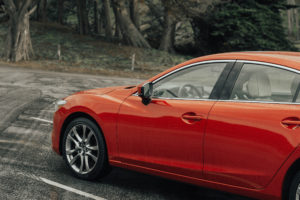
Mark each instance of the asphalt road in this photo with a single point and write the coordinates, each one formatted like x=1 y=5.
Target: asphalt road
x=29 y=169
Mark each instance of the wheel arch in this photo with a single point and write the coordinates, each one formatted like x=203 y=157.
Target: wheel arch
x=71 y=118
x=293 y=169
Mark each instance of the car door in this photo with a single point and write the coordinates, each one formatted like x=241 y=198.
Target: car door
x=251 y=132
x=167 y=134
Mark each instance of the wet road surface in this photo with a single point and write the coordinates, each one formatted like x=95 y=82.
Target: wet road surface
x=29 y=169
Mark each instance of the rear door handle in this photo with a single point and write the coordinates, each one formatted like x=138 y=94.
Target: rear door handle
x=291 y=122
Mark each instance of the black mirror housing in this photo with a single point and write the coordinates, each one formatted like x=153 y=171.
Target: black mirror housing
x=145 y=92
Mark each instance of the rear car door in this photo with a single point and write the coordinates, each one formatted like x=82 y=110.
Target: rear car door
x=251 y=131
x=167 y=134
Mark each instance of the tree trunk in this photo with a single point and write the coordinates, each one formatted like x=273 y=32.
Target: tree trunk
x=38 y=12
x=83 y=22
x=134 y=15
x=130 y=33
x=108 y=26
x=79 y=17
x=19 y=46
x=118 y=33
x=101 y=20
x=60 y=11
x=293 y=20
x=167 y=42
x=43 y=10
x=96 y=17
x=155 y=11
x=296 y=14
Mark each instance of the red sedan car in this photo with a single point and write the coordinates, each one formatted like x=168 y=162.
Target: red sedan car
x=227 y=121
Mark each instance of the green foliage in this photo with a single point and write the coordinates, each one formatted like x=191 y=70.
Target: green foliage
x=247 y=25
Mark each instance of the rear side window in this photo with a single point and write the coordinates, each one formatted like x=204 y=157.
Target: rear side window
x=265 y=83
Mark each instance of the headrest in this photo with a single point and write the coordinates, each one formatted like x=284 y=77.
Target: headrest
x=259 y=85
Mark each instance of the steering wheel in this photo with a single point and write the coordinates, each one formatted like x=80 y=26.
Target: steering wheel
x=242 y=95
x=189 y=90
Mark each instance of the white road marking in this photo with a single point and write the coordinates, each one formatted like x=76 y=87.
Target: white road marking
x=42 y=120
x=70 y=189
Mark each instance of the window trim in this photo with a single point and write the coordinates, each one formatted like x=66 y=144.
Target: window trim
x=269 y=64
x=192 y=65
x=238 y=67
x=216 y=93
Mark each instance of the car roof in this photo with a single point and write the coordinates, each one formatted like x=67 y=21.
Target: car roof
x=287 y=59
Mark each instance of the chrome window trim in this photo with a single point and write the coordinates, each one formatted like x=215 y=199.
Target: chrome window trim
x=269 y=64
x=264 y=102
x=183 y=68
x=233 y=101
x=187 y=99
x=191 y=65
x=220 y=100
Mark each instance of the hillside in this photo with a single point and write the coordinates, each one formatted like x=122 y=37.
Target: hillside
x=86 y=54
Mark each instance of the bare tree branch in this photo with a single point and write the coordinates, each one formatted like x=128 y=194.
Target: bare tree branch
x=25 y=7
x=32 y=10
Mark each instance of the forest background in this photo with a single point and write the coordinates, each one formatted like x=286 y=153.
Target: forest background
x=139 y=38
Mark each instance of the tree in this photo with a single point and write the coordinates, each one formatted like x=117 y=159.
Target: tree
x=130 y=33
x=108 y=26
x=134 y=13
x=167 y=41
x=176 y=10
x=293 y=20
x=18 y=46
x=251 y=25
x=96 y=17
x=60 y=11
x=41 y=11
x=118 y=34
x=83 y=20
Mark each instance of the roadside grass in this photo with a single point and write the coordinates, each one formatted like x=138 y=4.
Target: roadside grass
x=87 y=54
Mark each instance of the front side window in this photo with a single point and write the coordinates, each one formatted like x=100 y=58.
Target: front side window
x=195 y=82
x=265 y=83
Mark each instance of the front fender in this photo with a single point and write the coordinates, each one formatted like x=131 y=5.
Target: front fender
x=102 y=108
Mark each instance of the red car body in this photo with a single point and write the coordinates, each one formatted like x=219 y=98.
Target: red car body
x=210 y=152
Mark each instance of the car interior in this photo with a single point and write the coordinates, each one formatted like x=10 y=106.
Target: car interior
x=256 y=86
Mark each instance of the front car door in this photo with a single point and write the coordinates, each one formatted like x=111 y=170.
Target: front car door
x=252 y=130
x=168 y=133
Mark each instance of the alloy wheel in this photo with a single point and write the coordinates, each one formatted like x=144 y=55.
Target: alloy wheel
x=82 y=151
x=298 y=193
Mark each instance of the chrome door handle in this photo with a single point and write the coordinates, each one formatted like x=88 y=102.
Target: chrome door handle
x=291 y=122
x=193 y=117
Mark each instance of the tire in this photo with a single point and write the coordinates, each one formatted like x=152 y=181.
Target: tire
x=84 y=150
x=293 y=194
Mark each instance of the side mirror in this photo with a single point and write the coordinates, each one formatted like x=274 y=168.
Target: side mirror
x=145 y=92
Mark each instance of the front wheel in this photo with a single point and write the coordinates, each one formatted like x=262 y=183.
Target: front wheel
x=84 y=149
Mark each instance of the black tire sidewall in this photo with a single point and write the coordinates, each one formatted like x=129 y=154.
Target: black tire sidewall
x=101 y=166
x=294 y=186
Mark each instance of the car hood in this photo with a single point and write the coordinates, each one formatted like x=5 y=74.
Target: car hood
x=101 y=91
